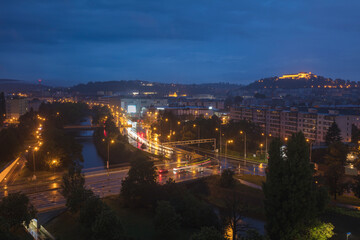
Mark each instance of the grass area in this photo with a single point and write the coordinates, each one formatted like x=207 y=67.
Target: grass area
x=253 y=199
x=345 y=220
x=258 y=180
x=345 y=211
x=65 y=226
x=350 y=200
x=249 y=157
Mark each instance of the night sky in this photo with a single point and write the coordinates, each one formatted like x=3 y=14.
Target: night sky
x=181 y=41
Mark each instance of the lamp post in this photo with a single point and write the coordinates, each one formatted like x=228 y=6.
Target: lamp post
x=310 y=148
x=198 y=130
x=261 y=146
x=266 y=145
x=35 y=149
x=219 y=129
x=226 y=143
x=108 y=154
x=219 y=151
x=243 y=132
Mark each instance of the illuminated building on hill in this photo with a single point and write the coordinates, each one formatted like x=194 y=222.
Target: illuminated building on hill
x=299 y=75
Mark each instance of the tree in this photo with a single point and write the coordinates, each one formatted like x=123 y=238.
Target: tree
x=137 y=187
x=274 y=190
x=207 y=233
x=107 y=226
x=15 y=209
x=356 y=186
x=238 y=99
x=292 y=200
x=227 y=178
x=335 y=162
x=167 y=221
x=355 y=134
x=252 y=234
x=333 y=134
x=73 y=188
x=233 y=213
x=320 y=231
x=91 y=208
x=2 y=108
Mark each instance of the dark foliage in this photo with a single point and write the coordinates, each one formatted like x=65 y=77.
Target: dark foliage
x=16 y=209
x=333 y=134
x=138 y=187
x=227 y=178
x=207 y=233
x=73 y=189
x=292 y=200
x=335 y=168
x=166 y=221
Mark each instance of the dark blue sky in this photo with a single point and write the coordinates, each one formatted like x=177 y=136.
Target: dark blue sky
x=183 y=41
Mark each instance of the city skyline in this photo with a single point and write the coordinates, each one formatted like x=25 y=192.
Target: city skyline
x=65 y=43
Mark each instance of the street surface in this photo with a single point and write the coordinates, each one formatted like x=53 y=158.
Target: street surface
x=45 y=191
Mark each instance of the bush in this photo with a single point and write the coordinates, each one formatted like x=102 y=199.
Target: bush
x=167 y=221
x=227 y=178
x=207 y=233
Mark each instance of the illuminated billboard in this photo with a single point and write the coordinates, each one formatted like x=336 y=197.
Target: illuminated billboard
x=131 y=109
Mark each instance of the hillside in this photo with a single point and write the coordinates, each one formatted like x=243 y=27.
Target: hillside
x=161 y=89
x=308 y=81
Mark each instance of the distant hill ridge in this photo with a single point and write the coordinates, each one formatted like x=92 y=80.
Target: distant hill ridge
x=302 y=80
x=4 y=80
x=159 y=88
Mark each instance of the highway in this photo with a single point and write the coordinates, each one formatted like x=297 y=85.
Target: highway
x=44 y=192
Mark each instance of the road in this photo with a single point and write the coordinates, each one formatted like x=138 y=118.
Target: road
x=237 y=164
x=44 y=192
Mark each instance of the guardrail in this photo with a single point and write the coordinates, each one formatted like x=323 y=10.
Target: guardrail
x=4 y=172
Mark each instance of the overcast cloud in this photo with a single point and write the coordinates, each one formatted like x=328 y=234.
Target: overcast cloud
x=73 y=41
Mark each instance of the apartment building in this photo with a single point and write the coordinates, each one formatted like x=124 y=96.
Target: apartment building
x=15 y=107
x=189 y=112
x=283 y=122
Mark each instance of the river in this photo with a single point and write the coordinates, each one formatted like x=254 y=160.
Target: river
x=92 y=159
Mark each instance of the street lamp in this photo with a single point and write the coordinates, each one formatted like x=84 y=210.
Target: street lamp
x=310 y=146
x=198 y=128
x=108 y=154
x=226 y=143
x=243 y=132
x=261 y=146
x=35 y=149
x=266 y=144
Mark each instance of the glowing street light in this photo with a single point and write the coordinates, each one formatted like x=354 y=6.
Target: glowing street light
x=108 y=154
x=226 y=144
x=310 y=147
x=243 y=132
x=34 y=150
